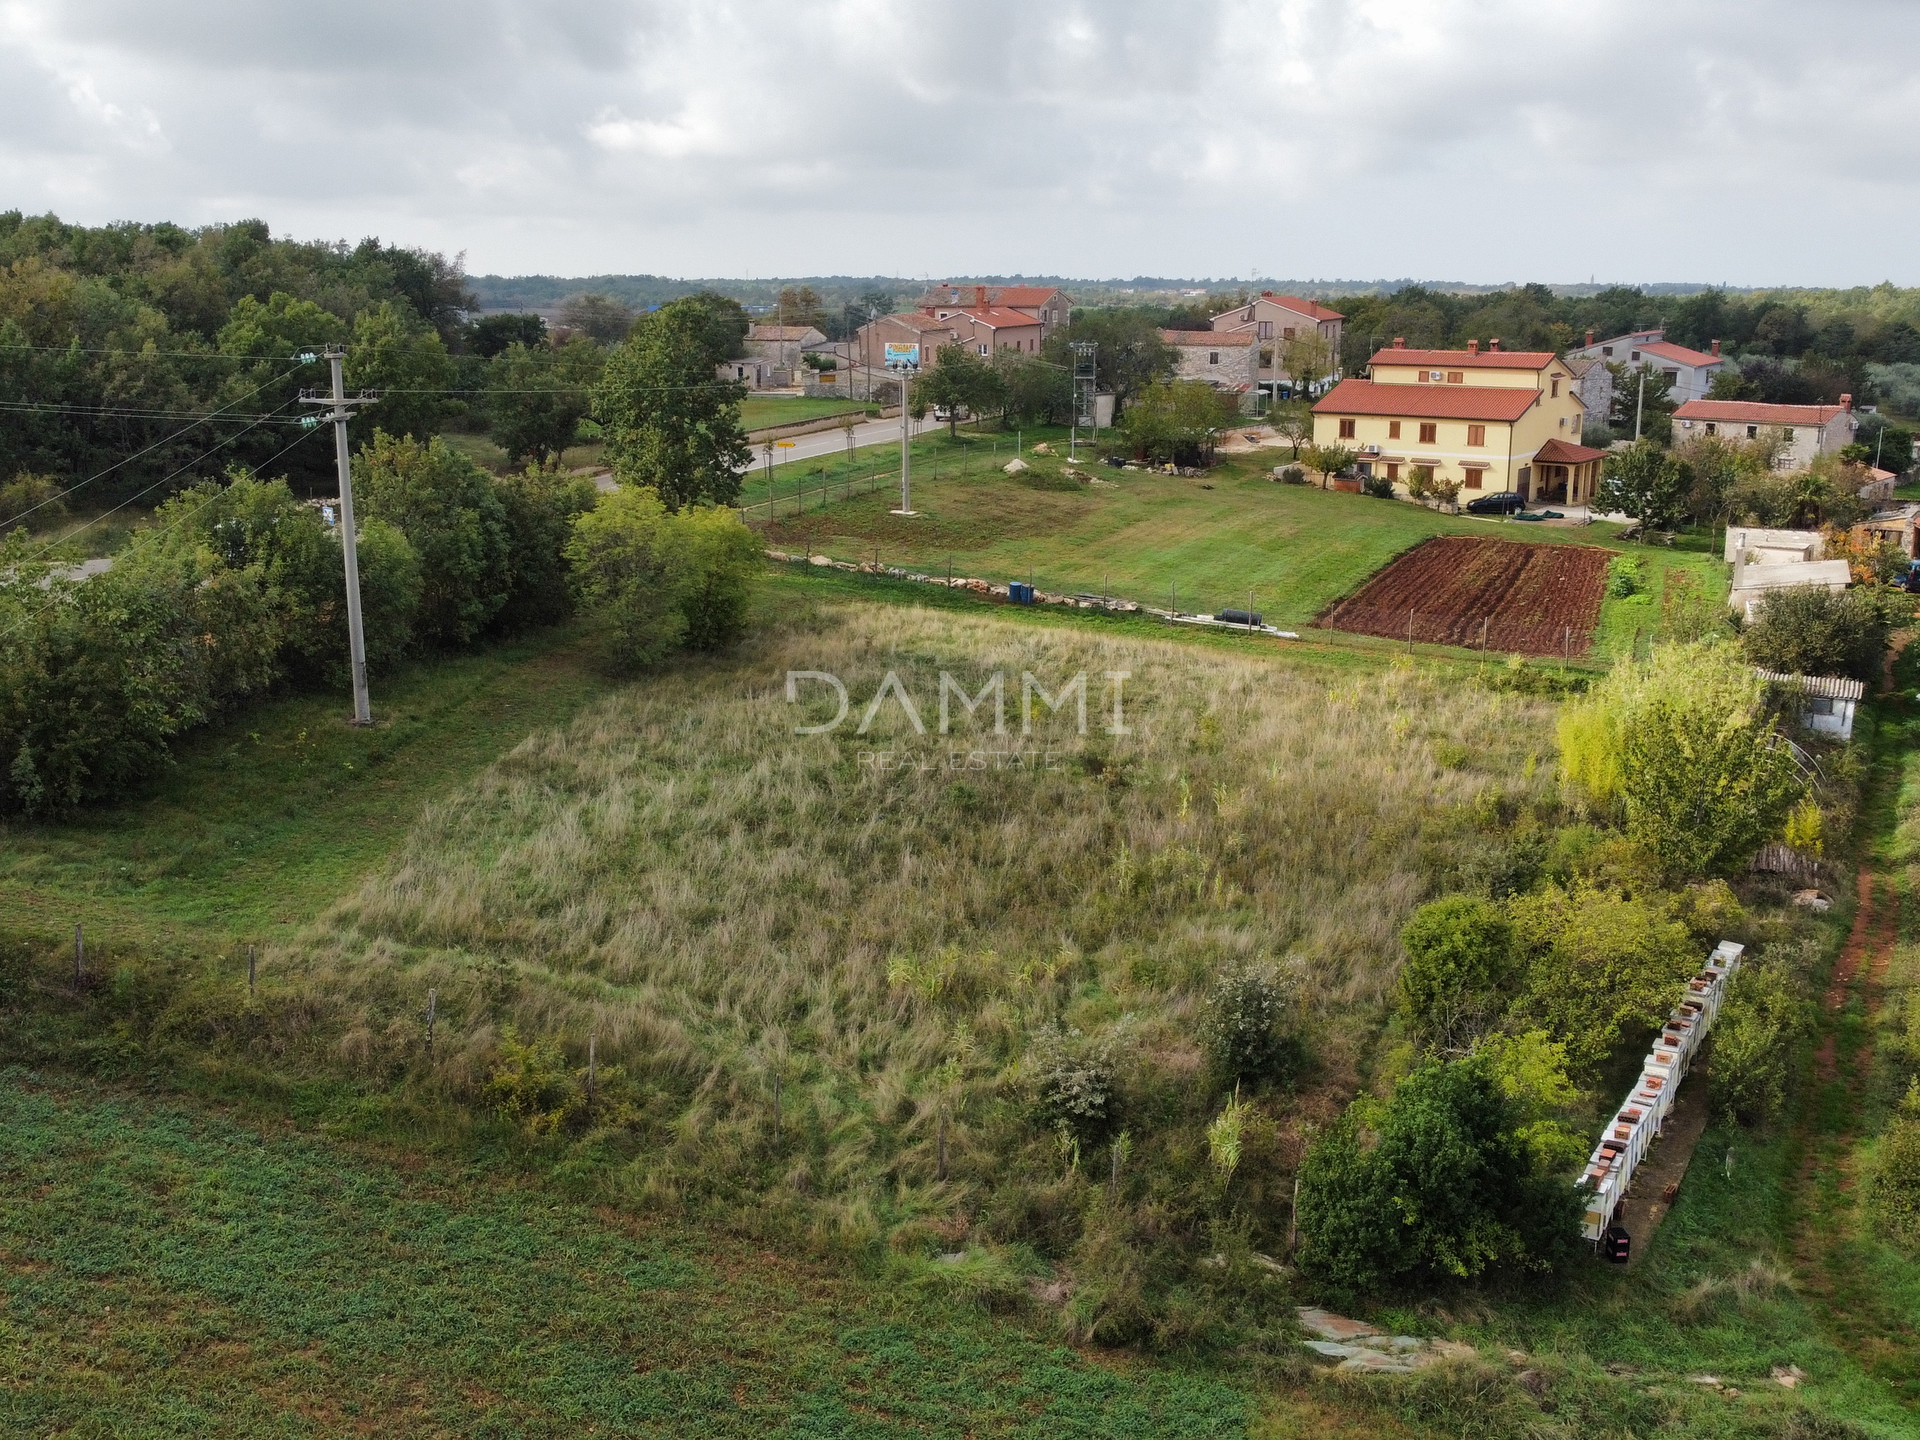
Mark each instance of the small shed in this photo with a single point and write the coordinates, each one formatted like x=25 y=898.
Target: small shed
x=1764 y=546
x=1827 y=702
x=1752 y=582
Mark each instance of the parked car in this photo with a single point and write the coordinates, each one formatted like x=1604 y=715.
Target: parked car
x=1506 y=502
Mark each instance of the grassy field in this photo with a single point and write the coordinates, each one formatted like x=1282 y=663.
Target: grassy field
x=165 y=1271
x=758 y=412
x=719 y=900
x=1151 y=537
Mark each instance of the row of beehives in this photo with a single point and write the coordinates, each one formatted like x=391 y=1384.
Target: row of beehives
x=1632 y=1131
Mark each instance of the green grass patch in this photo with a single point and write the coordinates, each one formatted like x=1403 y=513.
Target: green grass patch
x=167 y=1272
x=759 y=412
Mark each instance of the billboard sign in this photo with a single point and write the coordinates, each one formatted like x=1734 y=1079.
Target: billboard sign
x=901 y=354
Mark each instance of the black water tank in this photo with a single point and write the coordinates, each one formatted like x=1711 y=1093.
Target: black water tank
x=1238 y=617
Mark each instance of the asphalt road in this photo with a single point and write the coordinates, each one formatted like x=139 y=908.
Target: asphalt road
x=834 y=442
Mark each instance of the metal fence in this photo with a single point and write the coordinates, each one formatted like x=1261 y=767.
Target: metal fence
x=1483 y=632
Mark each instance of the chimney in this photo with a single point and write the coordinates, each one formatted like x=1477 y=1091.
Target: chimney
x=1268 y=294
x=1590 y=340
x=1716 y=348
x=1493 y=344
x=1846 y=402
x=1399 y=342
x=1473 y=347
x=980 y=297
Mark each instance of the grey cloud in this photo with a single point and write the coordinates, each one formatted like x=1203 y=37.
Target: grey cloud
x=1484 y=139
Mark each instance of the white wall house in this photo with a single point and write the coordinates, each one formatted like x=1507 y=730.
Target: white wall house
x=1806 y=430
x=1690 y=371
x=1827 y=702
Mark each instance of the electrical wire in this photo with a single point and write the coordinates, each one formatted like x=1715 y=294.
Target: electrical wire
x=164 y=440
x=152 y=535
x=172 y=354
x=113 y=412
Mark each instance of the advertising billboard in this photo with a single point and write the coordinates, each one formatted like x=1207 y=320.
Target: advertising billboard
x=902 y=353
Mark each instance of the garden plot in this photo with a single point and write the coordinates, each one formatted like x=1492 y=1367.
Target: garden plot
x=1505 y=595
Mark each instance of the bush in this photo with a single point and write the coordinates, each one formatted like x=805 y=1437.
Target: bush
x=1436 y=1184
x=533 y=1086
x=447 y=508
x=539 y=506
x=1802 y=630
x=1293 y=474
x=1460 y=959
x=1075 y=1083
x=1377 y=486
x=666 y=580
x=1244 y=1029
x=1896 y=1172
x=1755 y=1042
x=31 y=497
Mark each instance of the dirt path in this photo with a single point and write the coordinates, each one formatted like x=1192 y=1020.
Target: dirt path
x=1647 y=1203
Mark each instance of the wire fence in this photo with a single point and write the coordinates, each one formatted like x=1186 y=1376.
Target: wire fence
x=1506 y=633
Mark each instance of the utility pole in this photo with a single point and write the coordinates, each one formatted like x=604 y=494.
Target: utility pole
x=1086 y=401
x=339 y=414
x=1640 y=405
x=906 y=446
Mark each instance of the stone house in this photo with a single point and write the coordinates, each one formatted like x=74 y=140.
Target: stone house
x=1228 y=360
x=1690 y=372
x=1806 y=431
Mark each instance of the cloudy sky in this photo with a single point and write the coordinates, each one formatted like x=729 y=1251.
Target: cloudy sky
x=1745 y=141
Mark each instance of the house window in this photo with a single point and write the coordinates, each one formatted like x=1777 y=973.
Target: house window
x=1819 y=705
x=983 y=349
x=1425 y=376
x=1393 y=430
x=1787 y=434
x=1287 y=334
x=1476 y=434
x=1454 y=377
x=1606 y=350
x=1753 y=432
x=1264 y=330
x=1346 y=429
x=1556 y=387
x=1473 y=479
x=1429 y=432
x=1712 y=428
x=1213 y=357
x=1636 y=357
x=1393 y=472
x=1673 y=376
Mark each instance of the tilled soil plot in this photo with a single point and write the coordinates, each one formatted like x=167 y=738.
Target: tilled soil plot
x=1504 y=594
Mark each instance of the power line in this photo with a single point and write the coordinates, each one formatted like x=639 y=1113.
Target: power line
x=114 y=412
x=171 y=354
x=155 y=534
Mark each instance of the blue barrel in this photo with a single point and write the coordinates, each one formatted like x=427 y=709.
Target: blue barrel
x=1019 y=592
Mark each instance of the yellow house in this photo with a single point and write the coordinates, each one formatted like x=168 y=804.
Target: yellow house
x=1491 y=419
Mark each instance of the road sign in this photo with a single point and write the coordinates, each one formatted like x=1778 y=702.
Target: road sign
x=901 y=355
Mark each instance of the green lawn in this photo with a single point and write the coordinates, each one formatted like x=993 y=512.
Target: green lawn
x=165 y=1271
x=1145 y=536
x=757 y=412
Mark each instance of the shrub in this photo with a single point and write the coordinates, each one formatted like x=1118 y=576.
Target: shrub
x=1624 y=577
x=31 y=496
x=1293 y=474
x=1896 y=1172
x=533 y=1086
x=1801 y=630
x=539 y=506
x=1074 y=1083
x=1755 y=1042
x=447 y=508
x=312 y=574
x=1377 y=486
x=1243 y=1027
x=1460 y=958
x=1447 y=1188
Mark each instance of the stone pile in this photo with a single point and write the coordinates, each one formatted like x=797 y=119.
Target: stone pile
x=1356 y=1345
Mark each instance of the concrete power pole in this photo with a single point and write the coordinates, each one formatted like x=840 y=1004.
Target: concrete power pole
x=339 y=414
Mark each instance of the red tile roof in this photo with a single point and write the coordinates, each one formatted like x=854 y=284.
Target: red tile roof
x=1752 y=412
x=1680 y=354
x=1466 y=359
x=1427 y=402
x=1559 y=452
x=1212 y=338
x=1006 y=295
x=1305 y=307
x=781 y=332
x=994 y=317
x=916 y=320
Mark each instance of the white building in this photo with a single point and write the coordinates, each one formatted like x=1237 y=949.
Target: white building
x=1691 y=372
x=1805 y=431
x=1272 y=320
x=1827 y=702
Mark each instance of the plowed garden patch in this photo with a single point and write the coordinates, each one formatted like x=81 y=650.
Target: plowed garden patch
x=1453 y=590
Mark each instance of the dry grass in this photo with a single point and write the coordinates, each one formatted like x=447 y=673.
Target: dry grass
x=731 y=907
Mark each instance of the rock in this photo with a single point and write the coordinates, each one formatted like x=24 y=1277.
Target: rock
x=1329 y=1326
x=820 y=560
x=953 y=1257
x=1789 y=1376
x=1213 y=1262
x=1713 y=1380
x=1333 y=1350
x=1533 y=1382
x=1516 y=1357
x=1015 y=466
x=1043 y=448
x=1373 y=1362
x=1265 y=1262
x=1451 y=1350
x=1812 y=900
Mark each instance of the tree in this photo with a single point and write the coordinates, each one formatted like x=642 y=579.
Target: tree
x=540 y=506
x=1717 y=464
x=1600 y=965
x=1460 y=961
x=1293 y=423
x=537 y=396
x=665 y=579
x=1653 y=408
x=1755 y=1042
x=671 y=426
x=720 y=321
x=1131 y=355
x=1329 y=460
x=491 y=334
x=1244 y=1027
x=598 y=317
x=1032 y=391
x=1646 y=483
x=448 y=509
x=1307 y=359
x=957 y=379
x=406 y=361
x=799 y=305
x=1439 y=1183
x=1176 y=420
x=1803 y=630
x=1684 y=746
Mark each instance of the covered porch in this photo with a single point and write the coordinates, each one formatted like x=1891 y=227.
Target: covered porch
x=1562 y=474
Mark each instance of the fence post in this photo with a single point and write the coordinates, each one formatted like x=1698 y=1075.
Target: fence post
x=79 y=957
x=433 y=1006
x=940 y=1172
x=1409 y=632
x=592 y=1063
x=1249 y=612
x=250 y=968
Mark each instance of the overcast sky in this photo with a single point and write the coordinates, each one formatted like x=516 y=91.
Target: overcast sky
x=1751 y=142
